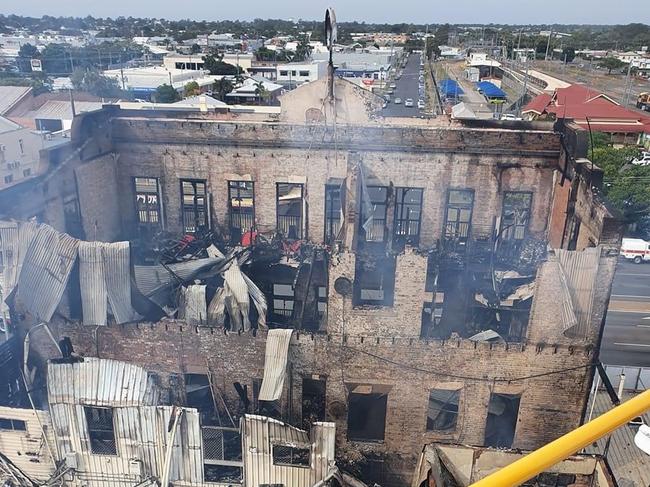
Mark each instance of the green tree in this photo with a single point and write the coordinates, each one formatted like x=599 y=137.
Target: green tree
x=625 y=184
x=262 y=93
x=192 y=88
x=568 y=54
x=26 y=53
x=166 y=94
x=222 y=87
x=195 y=49
x=303 y=50
x=217 y=67
x=611 y=63
x=92 y=81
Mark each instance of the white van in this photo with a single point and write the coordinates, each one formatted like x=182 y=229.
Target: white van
x=636 y=250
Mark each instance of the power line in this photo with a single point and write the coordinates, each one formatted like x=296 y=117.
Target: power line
x=479 y=379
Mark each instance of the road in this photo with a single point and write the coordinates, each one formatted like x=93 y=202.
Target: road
x=626 y=339
x=407 y=87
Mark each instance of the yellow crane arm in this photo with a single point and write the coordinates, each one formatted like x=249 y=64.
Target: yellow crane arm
x=538 y=461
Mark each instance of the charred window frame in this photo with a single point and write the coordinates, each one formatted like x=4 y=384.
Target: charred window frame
x=367 y=416
x=147 y=203
x=408 y=215
x=332 y=212
x=101 y=430
x=199 y=395
x=9 y=424
x=374 y=280
x=313 y=400
x=515 y=215
x=291 y=456
x=290 y=210
x=442 y=411
x=501 y=424
x=379 y=201
x=241 y=208
x=283 y=301
x=458 y=217
x=322 y=301
x=194 y=203
x=222 y=454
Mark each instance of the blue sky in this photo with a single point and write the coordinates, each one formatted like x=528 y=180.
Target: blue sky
x=432 y=11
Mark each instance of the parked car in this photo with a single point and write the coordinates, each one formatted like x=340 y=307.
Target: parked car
x=642 y=160
x=397 y=101
x=393 y=85
x=509 y=116
x=421 y=104
x=408 y=102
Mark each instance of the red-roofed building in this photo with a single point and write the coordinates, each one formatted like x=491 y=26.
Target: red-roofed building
x=590 y=109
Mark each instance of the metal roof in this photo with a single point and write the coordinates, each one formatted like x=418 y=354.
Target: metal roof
x=45 y=271
x=275 y=364
x=578 y=272
x=100 y=382
x=62 y=110
x=10 y=95
x=104 y=274
x=7 y=125
x=490 y=90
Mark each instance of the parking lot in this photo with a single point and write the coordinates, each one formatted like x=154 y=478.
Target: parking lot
x=407 y=87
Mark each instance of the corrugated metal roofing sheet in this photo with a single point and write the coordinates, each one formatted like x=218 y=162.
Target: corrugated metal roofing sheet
x=579 y=269
x=45 y=271
x=275 y=364
x=100 y=382
x=194 y=307
x=14 y=242
x=62 y=110
x=260 y=433
x=10 y=95
x=104 y=274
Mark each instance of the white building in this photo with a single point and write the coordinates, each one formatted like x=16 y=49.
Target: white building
x=195 y=61
x=293 y=74
x=144 y=81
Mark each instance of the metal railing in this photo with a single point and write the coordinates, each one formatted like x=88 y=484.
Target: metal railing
x=636 y=378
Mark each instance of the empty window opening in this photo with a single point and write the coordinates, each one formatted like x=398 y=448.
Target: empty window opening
x=310 y=292
x=241 y=206
x=27 y=172
x=458 y=218
x=408 y=215
x=503 y=410
x=147 y=201
x=198 y=394
x=222 y=473
x=222 y=454
x=374 y=280
x=372 y=225
x=515 y=215
x=313 y=401
x=366 y=414
x=289 y=206
x=283 y=302
x=8 y=424
x=9 y=178
x=194 y=205
x=101 y=431
x=442 y=413
x=332 y=212
x=291 y=456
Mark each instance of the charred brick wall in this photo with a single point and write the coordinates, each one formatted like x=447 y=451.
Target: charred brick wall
x=407 y=367
x=487 y=161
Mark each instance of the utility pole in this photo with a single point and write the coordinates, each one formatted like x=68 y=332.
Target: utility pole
x=548 y=44
x=122 y=74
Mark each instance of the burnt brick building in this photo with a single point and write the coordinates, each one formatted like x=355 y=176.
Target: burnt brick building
x=446 y=282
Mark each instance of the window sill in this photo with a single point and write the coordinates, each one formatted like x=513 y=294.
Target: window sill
x=366 y=442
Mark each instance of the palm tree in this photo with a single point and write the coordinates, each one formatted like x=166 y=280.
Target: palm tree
x=261 y=92
x=223 y=87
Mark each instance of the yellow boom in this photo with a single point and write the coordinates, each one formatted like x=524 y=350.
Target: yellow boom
x=538 y=461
